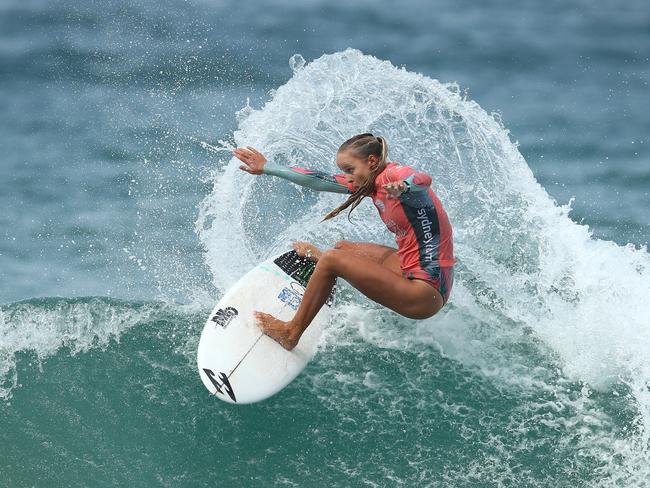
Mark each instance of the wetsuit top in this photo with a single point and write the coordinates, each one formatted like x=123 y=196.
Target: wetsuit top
x=417 y=218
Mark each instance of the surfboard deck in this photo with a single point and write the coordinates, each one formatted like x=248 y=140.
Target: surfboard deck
x=236 y=361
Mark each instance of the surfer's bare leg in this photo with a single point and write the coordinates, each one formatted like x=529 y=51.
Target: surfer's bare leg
x=410 y=298
x=282 y=332
x=384 y=255
x=286 y=333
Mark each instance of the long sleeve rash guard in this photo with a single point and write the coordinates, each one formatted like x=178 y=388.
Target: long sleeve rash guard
x=421 y=226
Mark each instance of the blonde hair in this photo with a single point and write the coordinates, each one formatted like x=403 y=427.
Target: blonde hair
x=362 y=146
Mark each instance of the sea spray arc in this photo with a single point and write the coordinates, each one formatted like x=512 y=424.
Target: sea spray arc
x=522 y=261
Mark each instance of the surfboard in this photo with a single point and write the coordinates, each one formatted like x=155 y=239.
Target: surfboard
x=236 y=361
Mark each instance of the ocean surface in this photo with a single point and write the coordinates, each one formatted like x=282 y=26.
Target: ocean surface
x=123 y=219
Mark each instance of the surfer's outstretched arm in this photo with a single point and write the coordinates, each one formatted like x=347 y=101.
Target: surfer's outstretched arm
x=316 y=180
x=255 y=163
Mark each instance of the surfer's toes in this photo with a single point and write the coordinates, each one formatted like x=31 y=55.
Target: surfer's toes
x=281 y=332
x=307 y=250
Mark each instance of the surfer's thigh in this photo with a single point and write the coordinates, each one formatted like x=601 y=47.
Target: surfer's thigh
x=384 y=255
x=411 y=298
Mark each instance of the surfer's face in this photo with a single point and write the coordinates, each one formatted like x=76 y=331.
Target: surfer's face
x=355 y=168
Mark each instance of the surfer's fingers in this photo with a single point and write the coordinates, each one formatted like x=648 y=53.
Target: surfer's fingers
x=395 y=188
x=394 y=185
x=260 y=155
x=246 y=157
x=256 y=154
x=238 y=153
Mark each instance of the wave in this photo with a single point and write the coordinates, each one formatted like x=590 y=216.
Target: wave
x=43 y=326
x=97 y=362
x=524 y=267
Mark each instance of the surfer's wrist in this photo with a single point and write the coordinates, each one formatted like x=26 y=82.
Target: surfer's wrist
x=270 y=168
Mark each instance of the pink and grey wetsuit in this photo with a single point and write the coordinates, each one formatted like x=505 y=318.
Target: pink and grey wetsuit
x=417 y=218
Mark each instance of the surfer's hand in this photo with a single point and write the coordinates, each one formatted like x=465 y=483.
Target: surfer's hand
x=395 y=188
x=253 y=160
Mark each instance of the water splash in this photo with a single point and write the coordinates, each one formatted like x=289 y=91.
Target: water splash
x=525 y=268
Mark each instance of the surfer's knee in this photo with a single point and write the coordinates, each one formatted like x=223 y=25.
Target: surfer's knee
x=328 y=260
x=343 y=245
x=418 y=313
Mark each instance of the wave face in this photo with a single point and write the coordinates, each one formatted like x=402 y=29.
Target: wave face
x=535 y=374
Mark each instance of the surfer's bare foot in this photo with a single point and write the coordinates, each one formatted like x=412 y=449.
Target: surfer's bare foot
x=307 y=250
x=281 y=332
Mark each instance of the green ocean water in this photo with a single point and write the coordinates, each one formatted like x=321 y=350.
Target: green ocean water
x=130 y=412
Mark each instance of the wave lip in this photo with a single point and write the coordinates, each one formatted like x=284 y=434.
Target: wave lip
x=45 y=325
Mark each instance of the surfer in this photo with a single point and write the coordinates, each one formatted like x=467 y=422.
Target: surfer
x=413 y=280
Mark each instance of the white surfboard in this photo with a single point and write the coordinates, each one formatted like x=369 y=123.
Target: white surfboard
x=237 y=362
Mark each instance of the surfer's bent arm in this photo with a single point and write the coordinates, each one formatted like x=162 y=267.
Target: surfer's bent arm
x=414 y=180
x=316 y=180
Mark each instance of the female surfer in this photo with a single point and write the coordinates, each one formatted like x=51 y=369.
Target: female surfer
x=413 y=280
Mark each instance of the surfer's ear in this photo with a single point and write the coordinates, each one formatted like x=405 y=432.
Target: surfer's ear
x=373 y=161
